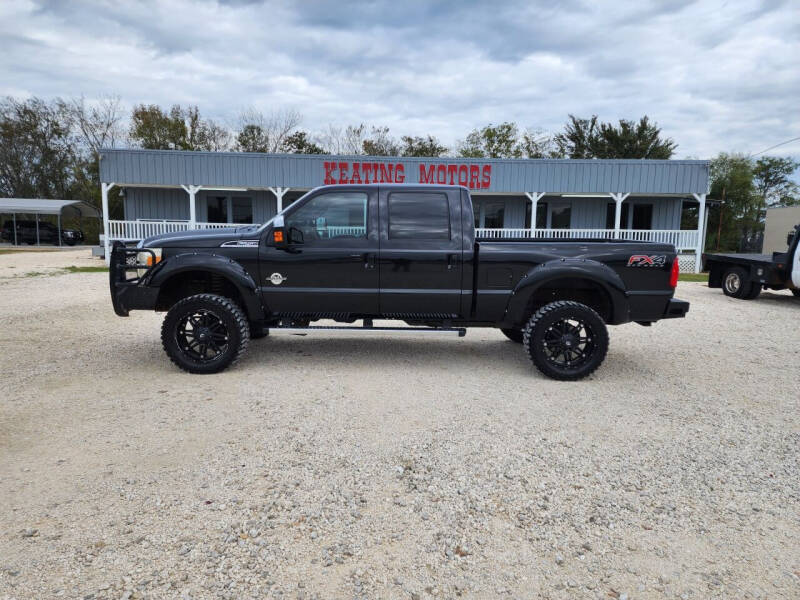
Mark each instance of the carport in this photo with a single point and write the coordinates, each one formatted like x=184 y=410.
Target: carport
x=42 y=206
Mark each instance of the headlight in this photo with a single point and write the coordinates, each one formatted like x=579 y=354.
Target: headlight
x=145 y=259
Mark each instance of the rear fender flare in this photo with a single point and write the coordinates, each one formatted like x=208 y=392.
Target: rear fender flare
x=218 y=265
x=571 y=268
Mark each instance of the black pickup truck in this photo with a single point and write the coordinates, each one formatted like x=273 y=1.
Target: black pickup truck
x=405 y=252
x=743 y=276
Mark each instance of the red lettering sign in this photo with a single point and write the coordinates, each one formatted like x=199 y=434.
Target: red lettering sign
x=475 y=177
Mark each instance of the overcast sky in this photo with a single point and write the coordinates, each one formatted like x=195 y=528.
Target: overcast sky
x=717 y=76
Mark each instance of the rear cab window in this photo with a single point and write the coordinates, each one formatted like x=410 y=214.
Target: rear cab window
x=419 y=216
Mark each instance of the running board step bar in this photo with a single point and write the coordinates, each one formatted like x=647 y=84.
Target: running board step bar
x=458 y=331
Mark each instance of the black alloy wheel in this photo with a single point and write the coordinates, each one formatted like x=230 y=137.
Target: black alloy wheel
x=202 y=335
x=205 y=333
x=566 y=340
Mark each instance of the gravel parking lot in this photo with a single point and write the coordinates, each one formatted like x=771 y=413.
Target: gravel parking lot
x=394 y=468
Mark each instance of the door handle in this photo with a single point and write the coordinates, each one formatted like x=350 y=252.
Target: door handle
x=452 y=261
x=369 y=260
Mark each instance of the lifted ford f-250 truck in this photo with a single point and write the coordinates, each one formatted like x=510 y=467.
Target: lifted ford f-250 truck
x=403 y=252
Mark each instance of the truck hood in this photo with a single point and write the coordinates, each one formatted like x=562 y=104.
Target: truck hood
x=200 y=238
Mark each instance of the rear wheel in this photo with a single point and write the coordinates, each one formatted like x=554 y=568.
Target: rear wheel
x=755 y=290
x=566 y=340
x=515 y=335
x=205 y=333
x=735 y=283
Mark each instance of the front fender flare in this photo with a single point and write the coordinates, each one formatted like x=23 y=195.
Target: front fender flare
x=572 y=268
x=218 y=265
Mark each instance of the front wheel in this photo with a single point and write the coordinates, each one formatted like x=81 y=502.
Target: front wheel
x=566 y=340
x=205 y=333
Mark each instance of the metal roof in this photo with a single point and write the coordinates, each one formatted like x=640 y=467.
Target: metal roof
x=43 y=206
x=556 y=176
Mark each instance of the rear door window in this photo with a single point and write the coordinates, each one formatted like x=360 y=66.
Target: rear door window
x=419 y=216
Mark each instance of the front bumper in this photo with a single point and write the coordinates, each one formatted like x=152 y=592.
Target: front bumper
x=676 y=309
x=129 y=294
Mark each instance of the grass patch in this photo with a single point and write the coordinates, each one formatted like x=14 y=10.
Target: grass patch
x=74 y=269
x=693 y=277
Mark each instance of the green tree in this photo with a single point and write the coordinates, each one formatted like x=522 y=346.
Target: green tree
x=740 y=211
x=179 y=129
x=492 y=141
x=380 y=143
x=772 y=180
x=589 y=138
x=37 y=149
x=421 y=146
x=299 y=143
x=576 y=139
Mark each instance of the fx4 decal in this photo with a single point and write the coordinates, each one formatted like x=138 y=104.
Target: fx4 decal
x=643 y=260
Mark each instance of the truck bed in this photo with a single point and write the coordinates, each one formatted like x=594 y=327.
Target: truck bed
x=742 y=258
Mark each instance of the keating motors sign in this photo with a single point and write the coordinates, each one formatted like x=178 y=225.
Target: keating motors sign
x=473 y=176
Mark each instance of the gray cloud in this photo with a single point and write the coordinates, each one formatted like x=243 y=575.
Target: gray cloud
x=715 y=75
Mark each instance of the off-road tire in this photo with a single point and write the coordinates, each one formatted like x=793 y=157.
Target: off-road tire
x=736 y=283
x=227 y=311
x=515 y=335
x=542 y=324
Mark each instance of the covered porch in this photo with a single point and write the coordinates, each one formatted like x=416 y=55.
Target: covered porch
x=573 y=216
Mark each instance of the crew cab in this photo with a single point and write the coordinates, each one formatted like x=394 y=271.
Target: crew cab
x=408 y=253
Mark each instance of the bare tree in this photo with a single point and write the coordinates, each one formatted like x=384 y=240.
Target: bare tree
x=257 y=132
x=99 y=124
x=349 y=140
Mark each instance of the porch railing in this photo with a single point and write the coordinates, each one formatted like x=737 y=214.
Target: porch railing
x=144 y=228
x=681 y=239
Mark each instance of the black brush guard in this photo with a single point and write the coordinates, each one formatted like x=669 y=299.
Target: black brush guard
x=129 y=293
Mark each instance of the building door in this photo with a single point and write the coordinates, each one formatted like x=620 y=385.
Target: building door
x=420 y=253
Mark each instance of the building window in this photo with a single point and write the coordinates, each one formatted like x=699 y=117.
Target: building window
x=217 y=209
x=493 y=215
x=242 y=210
x=561 y=217
x=642 y=216
x=689 y=215
x=639 y=215
x=224 y=209
x=419 y=216
x=541 y=215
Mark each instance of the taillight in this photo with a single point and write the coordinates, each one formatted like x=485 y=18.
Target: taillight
x=673 y=276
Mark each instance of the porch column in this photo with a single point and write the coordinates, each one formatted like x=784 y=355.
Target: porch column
x=104 y=188
x=192 y=191
x=534 y=197
x=618 y=199
x=279 y=193
x=701 y=231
